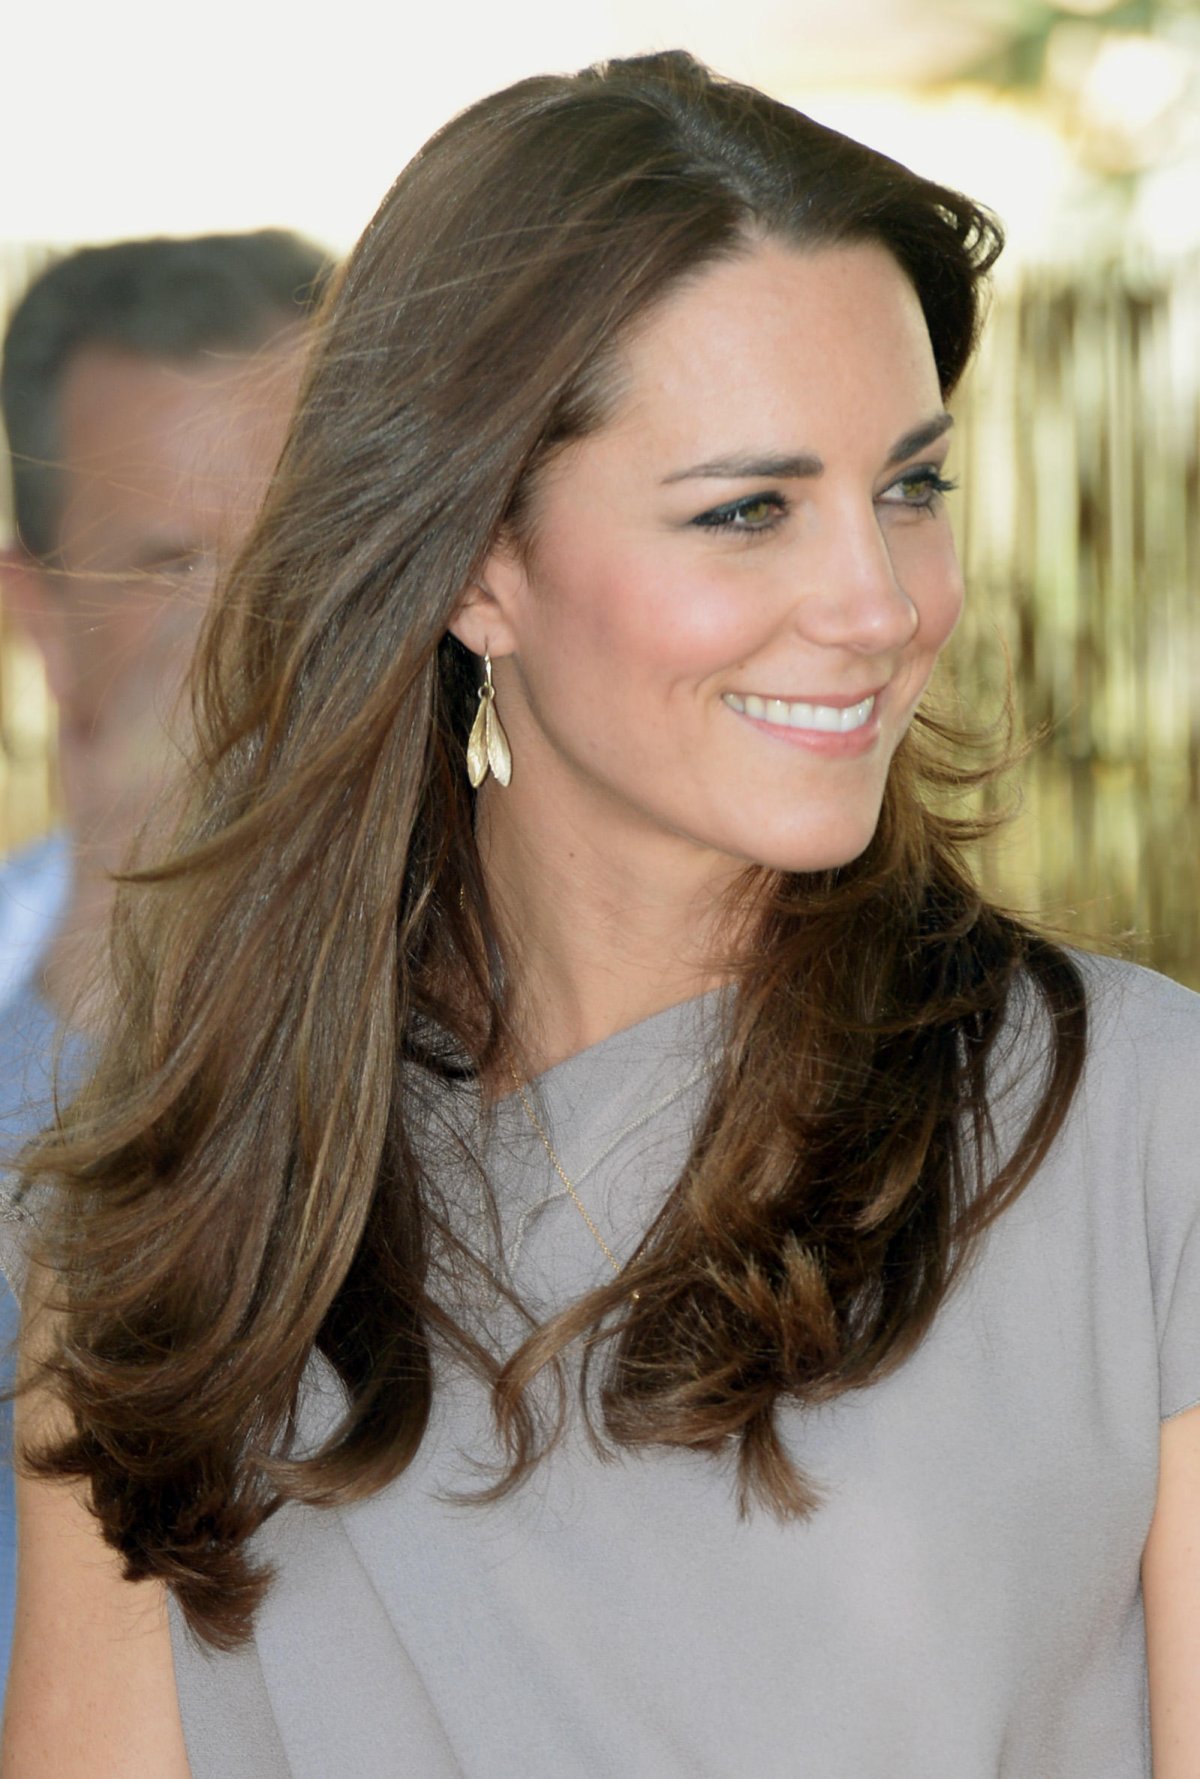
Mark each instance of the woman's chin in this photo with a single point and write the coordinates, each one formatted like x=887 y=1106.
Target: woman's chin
x=816 y=849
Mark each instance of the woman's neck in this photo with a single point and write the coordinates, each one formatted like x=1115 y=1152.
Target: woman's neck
x=598 y=938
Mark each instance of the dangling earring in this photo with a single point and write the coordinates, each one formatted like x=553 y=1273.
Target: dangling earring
x=488 y=744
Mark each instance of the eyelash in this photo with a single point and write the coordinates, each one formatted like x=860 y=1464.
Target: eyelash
x=725 y=518
x=933 y=485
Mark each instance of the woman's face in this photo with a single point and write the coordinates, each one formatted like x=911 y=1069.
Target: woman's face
x=735 y=591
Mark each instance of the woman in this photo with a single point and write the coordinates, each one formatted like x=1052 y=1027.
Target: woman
x=626 y=1264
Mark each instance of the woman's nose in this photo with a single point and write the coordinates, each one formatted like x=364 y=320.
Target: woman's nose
x=852 y=597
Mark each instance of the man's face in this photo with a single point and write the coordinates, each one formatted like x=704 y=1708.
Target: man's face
x=163 y=466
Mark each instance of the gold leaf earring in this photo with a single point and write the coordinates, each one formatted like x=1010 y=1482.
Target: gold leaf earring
x=487 y=746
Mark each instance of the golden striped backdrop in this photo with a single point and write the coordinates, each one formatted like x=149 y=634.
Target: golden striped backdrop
x=1080 y=530
x=1079 y=520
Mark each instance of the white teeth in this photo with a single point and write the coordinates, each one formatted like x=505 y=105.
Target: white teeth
x=830 y=719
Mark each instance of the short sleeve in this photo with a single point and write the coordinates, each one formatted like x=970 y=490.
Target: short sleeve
x=1154 y=1069
x=1173 y=1216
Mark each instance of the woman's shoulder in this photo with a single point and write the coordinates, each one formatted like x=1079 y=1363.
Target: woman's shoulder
x=1143 y=1028
x=1132 y=1146
x=1135 y=1108
x=1133 y=1128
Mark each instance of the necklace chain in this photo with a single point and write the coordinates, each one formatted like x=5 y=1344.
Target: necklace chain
x=557 y=1165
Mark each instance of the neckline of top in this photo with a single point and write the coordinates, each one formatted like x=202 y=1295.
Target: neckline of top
x=672 y=1030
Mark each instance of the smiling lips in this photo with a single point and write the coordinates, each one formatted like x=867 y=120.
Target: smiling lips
x=827 y=719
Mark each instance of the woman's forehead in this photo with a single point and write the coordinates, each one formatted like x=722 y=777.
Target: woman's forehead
x=772 y=338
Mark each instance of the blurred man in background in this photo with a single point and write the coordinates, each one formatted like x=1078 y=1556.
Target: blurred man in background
x=145 y=391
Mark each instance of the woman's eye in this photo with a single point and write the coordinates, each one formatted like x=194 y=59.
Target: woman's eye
x=920 y=488
x=755 y=512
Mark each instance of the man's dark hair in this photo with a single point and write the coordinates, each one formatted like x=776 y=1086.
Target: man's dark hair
x=161 y=299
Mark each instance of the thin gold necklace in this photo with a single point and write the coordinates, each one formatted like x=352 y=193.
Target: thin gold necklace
x=557 y=1165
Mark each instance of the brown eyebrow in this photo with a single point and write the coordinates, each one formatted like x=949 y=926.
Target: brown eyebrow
x=919 y=438
x=806 y=464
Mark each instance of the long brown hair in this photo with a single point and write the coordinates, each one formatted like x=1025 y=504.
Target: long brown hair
x=241 y=1182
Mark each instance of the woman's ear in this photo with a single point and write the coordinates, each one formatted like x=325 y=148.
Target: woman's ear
x=488 y=615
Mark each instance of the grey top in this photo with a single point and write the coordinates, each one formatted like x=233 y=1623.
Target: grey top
x=964 y=1605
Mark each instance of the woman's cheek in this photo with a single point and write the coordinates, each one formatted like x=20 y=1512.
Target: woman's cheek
x=934 y=582
x=951 y=605
x=668 y=620
x=703 y=622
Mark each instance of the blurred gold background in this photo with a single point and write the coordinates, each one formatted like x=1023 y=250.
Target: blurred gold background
x=1078 y=428
x=1080 y=532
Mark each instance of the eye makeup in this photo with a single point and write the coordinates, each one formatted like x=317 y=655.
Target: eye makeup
x=752 y=513
x=922 y=488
